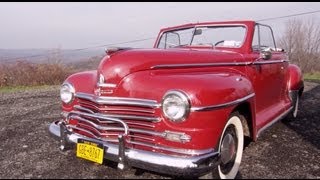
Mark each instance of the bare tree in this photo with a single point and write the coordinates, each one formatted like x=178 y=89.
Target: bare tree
x=301 y=41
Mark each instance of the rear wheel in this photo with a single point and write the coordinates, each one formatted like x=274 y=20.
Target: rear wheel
x=294 y=113
x=296 y=107
x=230 y=149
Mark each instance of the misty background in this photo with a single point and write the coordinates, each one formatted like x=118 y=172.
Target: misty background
x=30 y=28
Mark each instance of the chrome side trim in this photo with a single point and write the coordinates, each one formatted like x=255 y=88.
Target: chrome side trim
x=269 y=62
x=118 y=100
x=274 y=121
x=106 y=85
x=162 y=66
x=165 y=66
x=218 y=106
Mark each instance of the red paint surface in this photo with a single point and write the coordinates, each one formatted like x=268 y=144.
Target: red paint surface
x=131 y=70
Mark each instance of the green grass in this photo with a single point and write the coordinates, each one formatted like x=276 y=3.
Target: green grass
x=313 y=77
x=10 y=89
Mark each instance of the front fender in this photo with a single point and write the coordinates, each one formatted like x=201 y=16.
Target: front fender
x=82 y=82
x=203 y=89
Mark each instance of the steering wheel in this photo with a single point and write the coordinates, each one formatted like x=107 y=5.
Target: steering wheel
x=218 y=42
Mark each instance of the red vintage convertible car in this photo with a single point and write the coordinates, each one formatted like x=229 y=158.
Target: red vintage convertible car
x=185 y=106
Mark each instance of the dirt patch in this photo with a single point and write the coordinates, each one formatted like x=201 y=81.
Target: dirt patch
x=285 y=150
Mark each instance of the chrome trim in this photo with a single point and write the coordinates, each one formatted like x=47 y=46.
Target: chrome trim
x=122 y=154
x=274 y=121
x=72 y=90
x=269 y=62
x=126 y=128
x=118 y=100
x=218 y=106
x=141 y=137
x=193 y=25
x=105 y=134
x=83 y=109
x=162 y=66
x=54 y=129
x=64 y=114
x=175 y=150
x=151 y=111
x=164 y=163
x=112 y=128
x=183 y=137
x=132 y=117
x=96 y=137
x=141 y=124
x=153 y=119
x=106 y=85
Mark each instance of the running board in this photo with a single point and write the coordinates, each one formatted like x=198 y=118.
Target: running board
x=281 y=116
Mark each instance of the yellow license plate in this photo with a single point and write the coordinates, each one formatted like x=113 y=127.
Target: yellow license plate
x=90 y=151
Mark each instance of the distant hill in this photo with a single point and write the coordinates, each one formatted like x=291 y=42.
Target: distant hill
x=64 y=56
x=89 y=64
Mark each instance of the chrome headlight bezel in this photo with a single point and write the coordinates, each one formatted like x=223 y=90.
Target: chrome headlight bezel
x=179 y=99
x=67 y=88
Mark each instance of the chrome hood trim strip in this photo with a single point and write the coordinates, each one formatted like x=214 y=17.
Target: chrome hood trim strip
x=164 y=66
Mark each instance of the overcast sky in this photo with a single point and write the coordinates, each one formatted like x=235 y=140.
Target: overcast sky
x=84 y=24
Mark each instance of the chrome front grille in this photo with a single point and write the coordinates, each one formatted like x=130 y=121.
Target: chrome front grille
x=90 y=118
x=105 y=118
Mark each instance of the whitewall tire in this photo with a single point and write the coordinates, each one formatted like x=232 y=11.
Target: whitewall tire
x=231 y=148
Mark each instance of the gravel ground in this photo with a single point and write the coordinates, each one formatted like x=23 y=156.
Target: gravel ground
x=285 y=150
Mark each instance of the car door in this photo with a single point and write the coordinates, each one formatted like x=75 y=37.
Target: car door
x=268 y=75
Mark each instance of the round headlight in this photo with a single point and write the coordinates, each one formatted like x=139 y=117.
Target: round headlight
x=175 y=105
x=67 y=93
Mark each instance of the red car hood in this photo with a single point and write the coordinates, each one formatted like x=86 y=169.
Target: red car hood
x=124 y=62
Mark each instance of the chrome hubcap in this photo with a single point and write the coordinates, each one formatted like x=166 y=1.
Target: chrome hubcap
x=228 y=149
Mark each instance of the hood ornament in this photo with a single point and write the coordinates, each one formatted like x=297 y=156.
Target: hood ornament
x=106 y=86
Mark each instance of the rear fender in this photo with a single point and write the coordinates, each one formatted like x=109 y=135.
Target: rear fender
x=295 y=78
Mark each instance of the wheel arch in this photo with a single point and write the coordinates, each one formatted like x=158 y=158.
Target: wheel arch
x=246 y=110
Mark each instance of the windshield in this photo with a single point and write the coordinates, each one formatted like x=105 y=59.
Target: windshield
x=212 y=36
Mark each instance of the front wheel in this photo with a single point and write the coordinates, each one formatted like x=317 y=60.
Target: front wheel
x=230 y=149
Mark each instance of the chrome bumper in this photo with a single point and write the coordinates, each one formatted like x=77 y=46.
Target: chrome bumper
x=167 y=164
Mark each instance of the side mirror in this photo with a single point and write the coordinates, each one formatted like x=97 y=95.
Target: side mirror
x=266 y=54
x=197 y=32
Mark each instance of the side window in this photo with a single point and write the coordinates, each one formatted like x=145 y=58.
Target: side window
x=255 y=41
x=263 y=38
x=168 y=40
x=162 y=43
